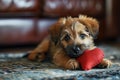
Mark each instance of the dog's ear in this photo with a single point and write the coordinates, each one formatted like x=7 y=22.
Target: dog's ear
x=56 y=29
x=91 y=24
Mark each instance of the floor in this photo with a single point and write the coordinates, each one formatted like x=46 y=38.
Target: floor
x=15 y=66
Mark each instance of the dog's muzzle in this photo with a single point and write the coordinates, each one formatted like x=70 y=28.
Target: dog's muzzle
x=74 y=51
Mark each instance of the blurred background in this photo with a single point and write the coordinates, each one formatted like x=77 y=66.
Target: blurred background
x=24 y=23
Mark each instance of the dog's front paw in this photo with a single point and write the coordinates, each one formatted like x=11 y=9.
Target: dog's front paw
x=105 y=63
x=72 y=64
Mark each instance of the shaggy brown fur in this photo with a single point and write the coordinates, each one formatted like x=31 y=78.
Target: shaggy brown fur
x=69 y=37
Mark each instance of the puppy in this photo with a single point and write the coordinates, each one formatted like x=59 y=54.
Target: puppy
x=69 y=38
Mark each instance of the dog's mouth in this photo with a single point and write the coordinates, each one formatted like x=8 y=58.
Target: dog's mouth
x=73 y=51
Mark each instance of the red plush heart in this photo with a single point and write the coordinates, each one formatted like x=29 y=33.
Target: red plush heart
x=90 y=58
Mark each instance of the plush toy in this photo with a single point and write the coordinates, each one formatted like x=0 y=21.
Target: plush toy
x=90 y=58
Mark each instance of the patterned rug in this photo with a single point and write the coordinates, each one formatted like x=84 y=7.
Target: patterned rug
x=15 y=66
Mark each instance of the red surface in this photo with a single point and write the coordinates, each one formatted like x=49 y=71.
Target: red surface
x=90 y=58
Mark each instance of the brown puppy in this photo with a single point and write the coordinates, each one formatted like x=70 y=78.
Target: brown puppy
x=69 y=37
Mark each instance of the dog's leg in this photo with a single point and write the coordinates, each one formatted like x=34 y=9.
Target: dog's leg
x=105 y=63
x=40 y=51
x=62 y=60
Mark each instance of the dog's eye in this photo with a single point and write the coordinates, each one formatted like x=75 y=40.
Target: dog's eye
x=82 y=36
x=67 y=37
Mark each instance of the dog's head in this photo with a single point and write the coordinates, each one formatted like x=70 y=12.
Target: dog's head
x=74 y=35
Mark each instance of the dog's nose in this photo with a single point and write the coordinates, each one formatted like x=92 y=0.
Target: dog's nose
x=76 y=49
